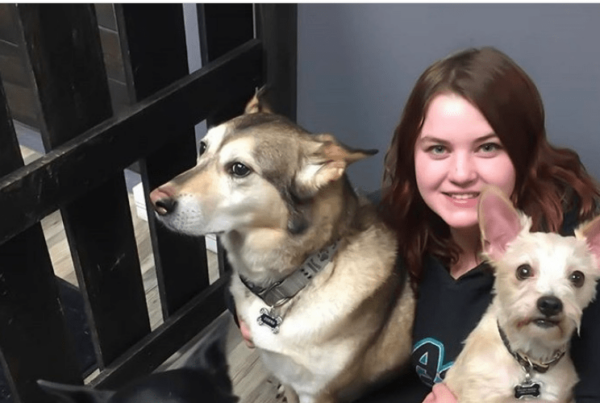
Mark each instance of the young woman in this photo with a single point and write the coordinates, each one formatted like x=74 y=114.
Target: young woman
x=473 y=119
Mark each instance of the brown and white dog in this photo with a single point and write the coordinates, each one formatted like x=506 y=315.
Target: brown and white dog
x=520 y=348
x=314 y=267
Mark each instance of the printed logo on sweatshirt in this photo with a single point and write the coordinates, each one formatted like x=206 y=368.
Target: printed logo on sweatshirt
x=428 y=354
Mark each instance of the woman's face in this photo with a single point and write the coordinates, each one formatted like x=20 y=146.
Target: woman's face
x=457 y=154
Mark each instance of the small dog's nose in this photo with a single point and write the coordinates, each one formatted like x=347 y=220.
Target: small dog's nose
x=162 y=202
x=549 y=306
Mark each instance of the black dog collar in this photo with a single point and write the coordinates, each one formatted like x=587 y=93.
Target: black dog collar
x=528 y=388
x=526 y=362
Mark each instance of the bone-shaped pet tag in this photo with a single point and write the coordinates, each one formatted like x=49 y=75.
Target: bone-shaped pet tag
x=271 y=319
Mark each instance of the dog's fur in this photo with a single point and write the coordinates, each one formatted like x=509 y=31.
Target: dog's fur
x=351 y=326
x=485 y=370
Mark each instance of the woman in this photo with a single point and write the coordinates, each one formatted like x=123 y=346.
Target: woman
x=474 y=119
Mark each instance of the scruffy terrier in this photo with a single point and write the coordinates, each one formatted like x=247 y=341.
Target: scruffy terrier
x=520 y=348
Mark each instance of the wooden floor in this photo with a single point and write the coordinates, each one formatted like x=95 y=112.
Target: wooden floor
x=250 y=380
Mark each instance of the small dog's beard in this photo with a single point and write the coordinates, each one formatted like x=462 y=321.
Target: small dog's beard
x=529 y=331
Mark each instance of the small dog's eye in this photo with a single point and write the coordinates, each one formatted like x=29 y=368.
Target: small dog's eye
x=240 y=170
x=201 y=148
x=577 y=278
x=524 y=271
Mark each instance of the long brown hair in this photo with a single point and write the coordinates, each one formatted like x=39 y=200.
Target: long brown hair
x=546 y=176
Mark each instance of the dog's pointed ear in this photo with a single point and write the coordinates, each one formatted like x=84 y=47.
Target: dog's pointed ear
x=590 y=231
x=258 y=103
x=325 y=162
x=74 y=393
x=499 y=222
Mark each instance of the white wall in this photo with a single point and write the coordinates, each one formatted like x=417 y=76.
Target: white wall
x=358 y=62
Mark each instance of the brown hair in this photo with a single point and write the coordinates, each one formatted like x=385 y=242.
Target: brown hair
x=546 y=175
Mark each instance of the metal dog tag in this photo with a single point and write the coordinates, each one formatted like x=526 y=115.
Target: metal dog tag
x=271 y=319
x=527 y=390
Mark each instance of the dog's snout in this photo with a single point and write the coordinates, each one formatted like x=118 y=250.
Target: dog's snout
x=549 y=305
x=163 y=201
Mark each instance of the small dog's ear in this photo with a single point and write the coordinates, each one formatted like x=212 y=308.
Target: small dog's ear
x=590 y=231
x=75 y=393
x=325 y=162
x=499 y=222
x=258 y=103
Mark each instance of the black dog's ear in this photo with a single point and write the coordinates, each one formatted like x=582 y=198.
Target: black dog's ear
x=209 y=356
x=258 y=103
x=64 y=393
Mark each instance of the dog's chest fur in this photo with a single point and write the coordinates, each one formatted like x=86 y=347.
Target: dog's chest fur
x=323 y=328
x=299 y=354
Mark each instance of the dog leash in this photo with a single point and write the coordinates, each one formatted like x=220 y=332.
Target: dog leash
x=528 y=388
x=280 y=292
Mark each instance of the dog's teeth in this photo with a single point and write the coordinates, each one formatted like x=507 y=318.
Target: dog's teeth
x=545 y=323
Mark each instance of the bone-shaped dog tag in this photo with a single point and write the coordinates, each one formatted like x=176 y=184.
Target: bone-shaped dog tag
x=527 y=390
x=271 y=319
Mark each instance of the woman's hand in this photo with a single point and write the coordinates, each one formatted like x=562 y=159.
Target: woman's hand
x=245 y=330
x=440 y=394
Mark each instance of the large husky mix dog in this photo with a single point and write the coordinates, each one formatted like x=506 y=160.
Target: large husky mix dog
x=314 y=268
x=520 y=348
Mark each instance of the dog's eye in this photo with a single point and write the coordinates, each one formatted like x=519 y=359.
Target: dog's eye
x=524 y=271
x=240 y=170
x=201 y=148
x=577 y=278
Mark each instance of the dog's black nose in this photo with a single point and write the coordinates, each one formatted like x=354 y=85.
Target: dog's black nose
x=165 y=206
x=549 y=305
x=163 y=200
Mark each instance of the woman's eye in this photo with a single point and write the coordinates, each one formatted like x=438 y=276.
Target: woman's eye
x=201 y=148
x=240 y=170
x=490 y=147
x=437 y=149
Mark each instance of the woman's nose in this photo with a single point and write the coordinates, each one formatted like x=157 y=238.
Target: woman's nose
x=463 y=169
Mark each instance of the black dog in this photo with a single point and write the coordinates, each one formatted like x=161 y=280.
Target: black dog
x=203 y=379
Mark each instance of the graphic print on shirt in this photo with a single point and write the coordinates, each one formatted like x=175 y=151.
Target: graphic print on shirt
x=429 y=355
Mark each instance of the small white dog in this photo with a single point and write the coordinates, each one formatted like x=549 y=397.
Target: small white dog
x=520 y=348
